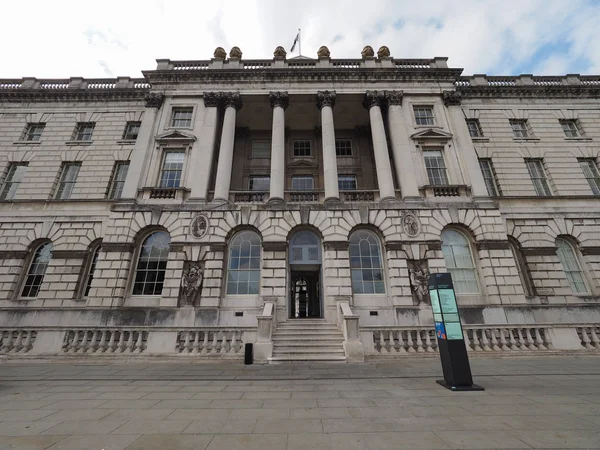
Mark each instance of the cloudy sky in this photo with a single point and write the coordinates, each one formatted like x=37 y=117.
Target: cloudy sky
x=107 y=38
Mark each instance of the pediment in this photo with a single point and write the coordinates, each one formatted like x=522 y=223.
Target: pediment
x=175 y=136
x=303 y=163
x=432 y=134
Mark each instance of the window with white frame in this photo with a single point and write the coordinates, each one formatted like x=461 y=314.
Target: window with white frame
x=568 y=258
x=261 y=149
x=33 y=131
x=436 y=167
x=91 y=270
x=303 y=183
x=520 y=128
x=347 y=182
x=152 y=264
x=243 y=265
x=302 y=148
x=14 y=176
x=489 y=176
x=117 y=181
x=474 y=128
x=172 y=168
x=522 y=268
x=423 y=115
x=538 y=177
x=182 y=117
x=260 y=183
x=366 y=264
x=570 y=128
x=343 y=147
x=84 y=131
x=459 y=261
x=37 y=270
x=132 y=129
x=67 y=180
x=590 y=170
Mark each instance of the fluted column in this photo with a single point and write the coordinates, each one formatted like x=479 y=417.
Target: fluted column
x=325 y=102
x=372 y=102
x=463 y=144
x=232 y=103
x=401 y=147
x=279 y=102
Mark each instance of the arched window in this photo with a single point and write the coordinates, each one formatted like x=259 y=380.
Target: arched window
x=91 y=270
x=459 y=262
x=37 y=270
x=243 y=270
x=305 y=248
x=568 y=258
x=366 y=263
x=152 y=264
x=522 y=268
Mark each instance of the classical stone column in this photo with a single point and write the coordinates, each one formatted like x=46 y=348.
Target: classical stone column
x=279 y=102
x=201 y=161
x=325 y=102
x=232 y=103
x=463 y=144
x=401 y=147
x=372 y=102
x=143 y=146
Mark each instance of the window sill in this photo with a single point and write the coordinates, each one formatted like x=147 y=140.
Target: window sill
x=480 y=139
x=179 y=128
x=79 y=142
x=580 y=138
x=126 y=141
x=439 y=127
x=27 y=143
x=519 y=139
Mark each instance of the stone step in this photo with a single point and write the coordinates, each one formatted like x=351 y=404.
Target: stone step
x=305 y=332
x=306 y=358
x=309 y=340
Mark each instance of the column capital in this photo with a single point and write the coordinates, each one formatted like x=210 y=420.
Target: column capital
x=373 y=98
x=279 y=98
x=154 y=100
x=232 y=99
x=211 y=99
x=325 y=98
x=394 y=97
x=452 y=98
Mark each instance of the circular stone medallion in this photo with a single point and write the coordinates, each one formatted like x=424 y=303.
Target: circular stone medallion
x=411 y=224
x=199 y=226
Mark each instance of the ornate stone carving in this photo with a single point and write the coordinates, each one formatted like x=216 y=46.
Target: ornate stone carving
x=394 y=97
x=367 y=52
x=452 y=98
x=279 y=52
x=279 y=98
x=411 y=224
x=220 y=53
x=373 y=98
x=154 y=100
x=191 y=283
x=211 y=99
x=383 y=52
x=232 y=99
x=235 y=52
x=323 y=52
x=325 y=98
x=199 y=226
x=419 y=276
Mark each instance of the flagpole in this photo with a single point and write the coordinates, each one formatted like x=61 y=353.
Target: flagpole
x=299 y=42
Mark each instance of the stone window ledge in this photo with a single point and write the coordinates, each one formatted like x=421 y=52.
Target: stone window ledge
x=521 y=139
x=580 y=138
x=79 y=142
x=126 y=141
x=480 y=139
x=27 y=142
x=420 y=127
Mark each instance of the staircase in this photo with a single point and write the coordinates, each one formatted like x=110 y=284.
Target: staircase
x=299 y=340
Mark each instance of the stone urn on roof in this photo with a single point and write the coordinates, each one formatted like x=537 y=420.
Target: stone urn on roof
x=235 y=52
x=323 y=52
x=220 y=53
x=367 y=52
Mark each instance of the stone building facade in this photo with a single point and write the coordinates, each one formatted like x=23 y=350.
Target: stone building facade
x=298 y=204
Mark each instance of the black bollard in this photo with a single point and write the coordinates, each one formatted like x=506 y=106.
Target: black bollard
x=249 y=354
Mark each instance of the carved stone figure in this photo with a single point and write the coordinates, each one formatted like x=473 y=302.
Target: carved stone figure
x=419 y=276
x=220 y=53
x=367 y=52
x=191 y=283
x=383 y=52
x=411 y=224
x=235 y=52
x=279 y=52
x=199 y=226
x=451 y=98
x=323 y=52
x=154 y=99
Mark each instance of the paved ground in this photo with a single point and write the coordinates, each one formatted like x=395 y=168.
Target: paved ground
x=544 y=402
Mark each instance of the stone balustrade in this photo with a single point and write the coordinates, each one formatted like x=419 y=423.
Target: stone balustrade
x=212 y=342
x=360 y=196
x=17 y=341
x=305 y=196
x=507 y=338
x=76 y=83
x=527 y=80
x=248 y=196
x=588 y=336
x=104 y=341
x=388 y=341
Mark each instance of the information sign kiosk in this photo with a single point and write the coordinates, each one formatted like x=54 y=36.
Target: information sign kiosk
x=449 y=333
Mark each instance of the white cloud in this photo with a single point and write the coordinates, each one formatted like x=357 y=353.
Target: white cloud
x=75 y=38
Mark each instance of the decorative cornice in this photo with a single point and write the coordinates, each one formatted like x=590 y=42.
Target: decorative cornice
x=274 y=246
x=394 y=97
x=154 y=100
x=590 y=251
x=13 y=254
x=539 y=251
x=373 y=98
x=336 y=245
x=117 y=247
x=51 y=95
x=280 y=98
x=452 y=98
x=232 y=100
x=211 y=99
x=558 y=91
x=493 y=245
x=325 y=98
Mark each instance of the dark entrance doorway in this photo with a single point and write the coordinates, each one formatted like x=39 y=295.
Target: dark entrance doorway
x=305 y=295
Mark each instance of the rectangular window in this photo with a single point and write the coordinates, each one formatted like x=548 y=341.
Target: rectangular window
x=303 y=183
x=170 y=174
x=423 y=115
x=66 y=183
x=118 y=179
x=182 y=117
x=520 y=128
x=302 y=148
x=343 y=147
x=132 y=129
x=347 y=182
x=590 y=170
x=260 y=183
x=538 y=177
x=570 y=128
x=489 y=176
x=15 y=174
x=261 y=149
x=33 y=131
x=474 y=128
x=83 y=131
x=436 y=168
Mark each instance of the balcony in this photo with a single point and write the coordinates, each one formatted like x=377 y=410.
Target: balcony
x=359 y=196
x=305 y=196
x=248 y=196
x=159 y=195
x=446 y=191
